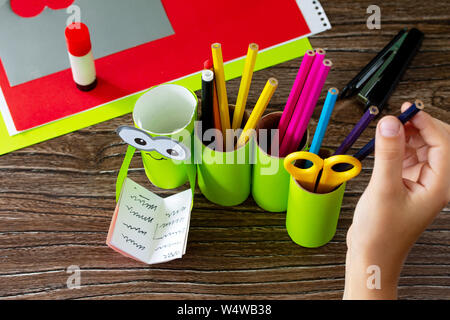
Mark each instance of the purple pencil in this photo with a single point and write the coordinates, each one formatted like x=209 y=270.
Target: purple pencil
x=307 y=89
x=297 y=88
x=300 y=127
x=357 y=130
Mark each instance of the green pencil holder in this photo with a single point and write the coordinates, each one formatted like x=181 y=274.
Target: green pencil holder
x=311 y=218
x=224 y=177
x=166 y=110
x=270 y=180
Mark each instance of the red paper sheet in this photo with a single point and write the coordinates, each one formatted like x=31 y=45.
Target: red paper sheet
x=197 y=24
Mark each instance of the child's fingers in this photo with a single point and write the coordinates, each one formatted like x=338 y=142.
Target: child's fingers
x=410 y=157
x=413 y=172
x=410 y=130
x=443 y=124
x=433 y=133
x=435 y=173
x=431 y=139
x=389 y=154
x=413 y=137
x=413 y=186
x=405 y=106
x=416 y=141
x=433 y=183
x=422 y=153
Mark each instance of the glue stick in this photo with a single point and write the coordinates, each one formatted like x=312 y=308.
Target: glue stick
x=80 y=55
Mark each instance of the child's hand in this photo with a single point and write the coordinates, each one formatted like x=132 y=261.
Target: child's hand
x=410 y=185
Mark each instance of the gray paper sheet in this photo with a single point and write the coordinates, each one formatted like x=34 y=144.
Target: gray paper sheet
x=31 y=48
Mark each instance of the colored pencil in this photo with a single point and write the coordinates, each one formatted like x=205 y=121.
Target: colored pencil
x=296 y=90
x=207 y=99
x=304 y=95
x=362 y=124
x=216 y=115
x=244 y=88
x=297 y=129
x=259 y=109
x=219 y=73
x=324 y=119
x=404 y=117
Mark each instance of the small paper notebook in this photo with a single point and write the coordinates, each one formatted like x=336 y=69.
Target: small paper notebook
x=149 y=228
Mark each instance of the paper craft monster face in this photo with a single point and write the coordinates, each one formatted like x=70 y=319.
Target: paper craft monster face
x=28 y=9
x=142 y=141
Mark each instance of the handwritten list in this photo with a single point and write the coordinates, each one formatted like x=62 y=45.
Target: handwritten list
x=149 y=228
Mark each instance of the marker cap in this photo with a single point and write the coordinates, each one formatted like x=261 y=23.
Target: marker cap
x=207 y=75
x=208 y=64
x=78 y=39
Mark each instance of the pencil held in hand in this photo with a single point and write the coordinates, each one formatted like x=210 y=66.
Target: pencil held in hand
x=259 y=109
x=245 y=85
x=404 y=117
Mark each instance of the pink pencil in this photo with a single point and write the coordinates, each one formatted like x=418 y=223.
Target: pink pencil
x=299 y=107
x=299 y=130
x=296 y=91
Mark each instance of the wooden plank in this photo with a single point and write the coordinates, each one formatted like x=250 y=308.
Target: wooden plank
x=57 y=197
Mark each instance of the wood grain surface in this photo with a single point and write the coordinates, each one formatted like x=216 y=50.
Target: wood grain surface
x=57 y=197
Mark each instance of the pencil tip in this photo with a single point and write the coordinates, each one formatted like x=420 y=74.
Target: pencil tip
x=333 y=91
x=374 y=110
x=419 y=104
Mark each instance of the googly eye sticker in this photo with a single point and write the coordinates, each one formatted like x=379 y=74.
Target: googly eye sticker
x=170 y=148
x=141 y=140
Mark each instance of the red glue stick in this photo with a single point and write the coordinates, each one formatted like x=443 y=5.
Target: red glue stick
x=80 y=55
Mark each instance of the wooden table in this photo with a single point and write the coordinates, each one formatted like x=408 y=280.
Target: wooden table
x=57 y=197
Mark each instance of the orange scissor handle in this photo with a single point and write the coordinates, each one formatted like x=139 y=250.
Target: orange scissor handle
x=306 y=177
x=330 y=178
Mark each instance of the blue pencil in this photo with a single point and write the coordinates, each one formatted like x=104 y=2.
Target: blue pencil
x=404 y=117
x=327 y=109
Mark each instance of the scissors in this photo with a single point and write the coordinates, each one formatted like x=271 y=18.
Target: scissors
x=330 y=178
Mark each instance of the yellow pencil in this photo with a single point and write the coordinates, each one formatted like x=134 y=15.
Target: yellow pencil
x=245 y=85
x=219 y=73
x=259 y=109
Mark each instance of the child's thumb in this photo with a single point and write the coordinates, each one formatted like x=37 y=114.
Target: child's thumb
x=389 y=152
